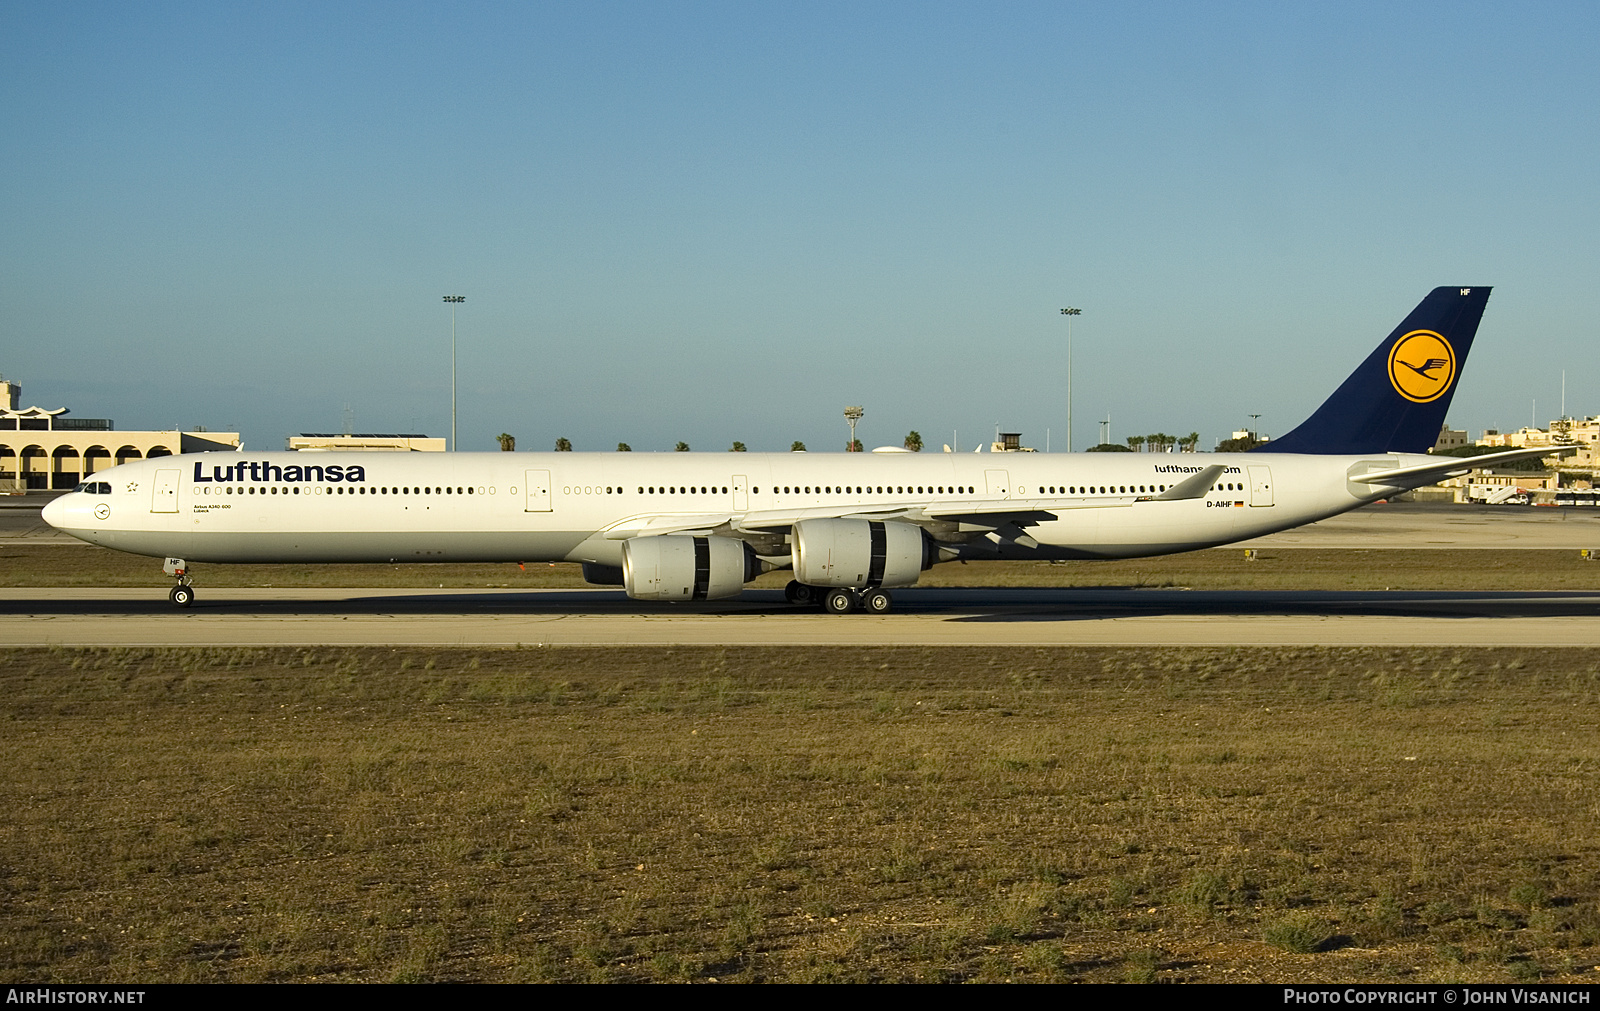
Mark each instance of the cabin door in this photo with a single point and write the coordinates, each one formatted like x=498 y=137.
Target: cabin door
x=164 y=497
x=538 y=497
x=1260 y=486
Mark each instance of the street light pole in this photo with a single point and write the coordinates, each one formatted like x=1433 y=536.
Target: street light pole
x=454 y=301
x=1069 y=312
x=853 y=415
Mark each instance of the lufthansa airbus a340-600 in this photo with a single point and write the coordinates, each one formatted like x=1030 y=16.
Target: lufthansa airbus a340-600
x=851 y=526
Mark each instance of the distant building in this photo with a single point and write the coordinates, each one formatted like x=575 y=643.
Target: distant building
x=1571 y=472
x=1584 y=433
x=1010 y=442
x=371 y=442
x=41 y=449
x=1450 y=438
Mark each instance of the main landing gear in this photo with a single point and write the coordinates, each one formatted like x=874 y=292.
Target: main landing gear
x=182 y=595
x=840 y=599
x=799 y=593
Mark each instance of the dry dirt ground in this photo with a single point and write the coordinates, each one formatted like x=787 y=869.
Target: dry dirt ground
x=800 y=814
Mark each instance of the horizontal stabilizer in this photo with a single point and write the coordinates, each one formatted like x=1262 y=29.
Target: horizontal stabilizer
x=1427 y=473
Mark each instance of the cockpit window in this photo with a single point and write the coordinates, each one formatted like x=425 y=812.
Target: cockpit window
x=95 y=487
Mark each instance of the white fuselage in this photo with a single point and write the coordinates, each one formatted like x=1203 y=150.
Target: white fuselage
x=459 y=507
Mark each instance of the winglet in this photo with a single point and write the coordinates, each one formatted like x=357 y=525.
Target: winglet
x=1195 y=486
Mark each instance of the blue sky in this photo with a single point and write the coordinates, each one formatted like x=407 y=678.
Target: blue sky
x=712 y=222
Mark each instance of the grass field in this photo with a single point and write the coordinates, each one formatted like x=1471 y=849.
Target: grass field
x=907 y=813
x=1215 y=569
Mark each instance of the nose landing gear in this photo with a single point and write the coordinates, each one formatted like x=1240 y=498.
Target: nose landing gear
x=182 y=595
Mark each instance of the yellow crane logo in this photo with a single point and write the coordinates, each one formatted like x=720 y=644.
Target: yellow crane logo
x=1422 y=365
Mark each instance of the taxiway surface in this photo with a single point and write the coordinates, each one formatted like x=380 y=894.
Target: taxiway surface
x=981 y=616
x=977 y=616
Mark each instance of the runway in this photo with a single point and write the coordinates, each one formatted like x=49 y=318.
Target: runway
x=930 y=616
x=1079 y=616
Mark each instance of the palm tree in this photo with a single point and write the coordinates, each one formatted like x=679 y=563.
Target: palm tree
x=914 y=441
x=1136 y=443
x=738 y=447
x=1191 y=442
x=623 y=447
x=563 y=445
x=797 y=446
x=682 y=447
x=508 y=443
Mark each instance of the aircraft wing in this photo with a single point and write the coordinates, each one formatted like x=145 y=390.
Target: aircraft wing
x=1455 y=466
x=671 y=523
x=990 y=514
x=976 y=512
x=1026 y=511
x=986 y=513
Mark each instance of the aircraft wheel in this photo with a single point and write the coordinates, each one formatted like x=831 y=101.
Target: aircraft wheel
x=840 y=601
x=799 y=593
x=182 y=596
x=876 y=601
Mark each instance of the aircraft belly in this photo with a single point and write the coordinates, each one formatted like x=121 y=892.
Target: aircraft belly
x=349 y=546
x=1139 y=528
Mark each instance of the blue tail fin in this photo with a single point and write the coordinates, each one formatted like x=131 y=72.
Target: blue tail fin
x=1396 y=401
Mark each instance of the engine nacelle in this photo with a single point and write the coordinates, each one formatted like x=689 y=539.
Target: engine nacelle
x=858 y=553
x=596 y=574
x=680 y=567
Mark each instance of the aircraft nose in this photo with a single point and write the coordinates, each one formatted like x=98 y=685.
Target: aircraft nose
x=55 y=513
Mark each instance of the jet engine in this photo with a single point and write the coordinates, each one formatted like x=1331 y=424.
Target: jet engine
x=680 y=567
x=858 y=553
x=596 y=574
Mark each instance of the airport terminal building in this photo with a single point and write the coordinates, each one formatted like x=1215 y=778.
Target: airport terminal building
x=403 y=442
x=45 y=450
